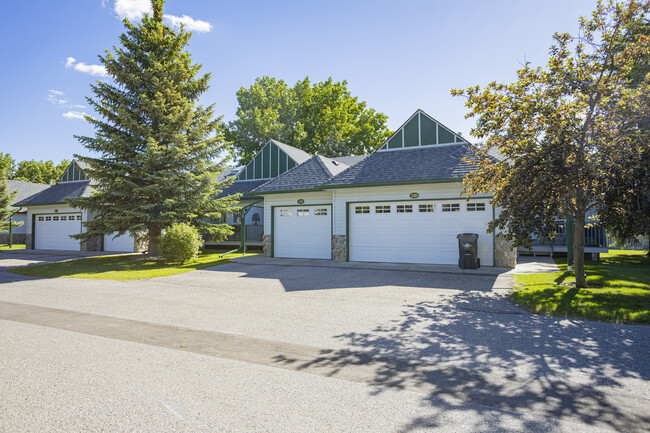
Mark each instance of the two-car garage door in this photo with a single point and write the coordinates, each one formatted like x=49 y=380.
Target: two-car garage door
x=417 y=231
x=52 y=231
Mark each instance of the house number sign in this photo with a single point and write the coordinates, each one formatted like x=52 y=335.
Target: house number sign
x=301 y=201
x=414 y=195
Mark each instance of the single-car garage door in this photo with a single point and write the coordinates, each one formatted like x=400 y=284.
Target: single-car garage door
x=418 y=231
x=52 y=231
x=303 y=232
x=122 y=243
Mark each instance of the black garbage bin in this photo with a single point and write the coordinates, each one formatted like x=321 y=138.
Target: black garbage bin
x=468 y=251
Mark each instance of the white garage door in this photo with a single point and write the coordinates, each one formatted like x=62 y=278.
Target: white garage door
x=52 y=231
x=122 y=243
x=303 y=232
x=418 y=231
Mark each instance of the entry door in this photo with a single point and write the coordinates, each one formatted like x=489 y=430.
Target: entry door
x=52 y=231
x=417 y=231
x=303 y=232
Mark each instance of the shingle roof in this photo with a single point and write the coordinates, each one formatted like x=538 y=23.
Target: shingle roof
x=351 y=159
x=25 y=189
x=242 y=186
x=315 y=171
x=294 y=153
x=412 y=165
x=58 y=193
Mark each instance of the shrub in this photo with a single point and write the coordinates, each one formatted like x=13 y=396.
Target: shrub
x=180 y=243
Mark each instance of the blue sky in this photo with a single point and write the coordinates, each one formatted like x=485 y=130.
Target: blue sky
x=396 y=55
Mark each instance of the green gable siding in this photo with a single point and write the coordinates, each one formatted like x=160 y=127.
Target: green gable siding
x=445 y=136
x=73 y=173
x=275 y=162
x=396 y=141
x=266 y=162
x=411 y=135
x=269 y=162
x=283 y=162
x=427 y=131
x=421 y=130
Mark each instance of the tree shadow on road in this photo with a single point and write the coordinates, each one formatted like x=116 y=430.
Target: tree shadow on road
x=478 y=353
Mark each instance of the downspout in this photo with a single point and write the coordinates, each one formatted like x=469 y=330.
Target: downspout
x=242 y=232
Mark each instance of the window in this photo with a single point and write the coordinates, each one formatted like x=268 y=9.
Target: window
x=453 y=207
x=302 y=212
x=427 y=208
x=41 y=218
x=362 y=209
x=475 y=207
x=63 y=217
x=382 y=209
x=285 y=212
x=404 y=208
x=48 y=218
x=55 y=218
x=322 y=211
x=78 y=217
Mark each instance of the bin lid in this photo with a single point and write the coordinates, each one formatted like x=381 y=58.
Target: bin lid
x=467 y=236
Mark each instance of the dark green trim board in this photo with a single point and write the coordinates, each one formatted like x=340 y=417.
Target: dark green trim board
x=347 y=231
x=360 y=185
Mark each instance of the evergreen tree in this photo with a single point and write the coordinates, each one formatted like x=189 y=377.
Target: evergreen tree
x=6 y=199
x=157 y=149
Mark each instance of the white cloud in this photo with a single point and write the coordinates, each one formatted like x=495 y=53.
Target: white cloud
x=74 y=115
x=135 y=10
x=94 y=70
x=56 y=97
x=132 y=9
x=190 y=23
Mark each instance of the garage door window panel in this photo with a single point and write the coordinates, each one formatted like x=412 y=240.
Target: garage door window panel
x=475 y=207
x=427 y=208
x=382 y=209
x=451 y=207
x=404 y=208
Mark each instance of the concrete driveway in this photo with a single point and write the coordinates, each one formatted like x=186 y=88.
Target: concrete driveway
x=245 y=347
x=17 y=258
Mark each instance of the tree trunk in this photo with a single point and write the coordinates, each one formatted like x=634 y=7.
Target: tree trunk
x=579 y=247
x=154 y=237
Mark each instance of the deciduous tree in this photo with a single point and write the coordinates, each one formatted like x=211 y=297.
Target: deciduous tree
x=321 y=118
x=557 y=127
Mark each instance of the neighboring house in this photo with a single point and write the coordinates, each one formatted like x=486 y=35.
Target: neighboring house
x=25 y=190
x=403 y=203
x=272 y=160
x=50 y=220
x=596 y=241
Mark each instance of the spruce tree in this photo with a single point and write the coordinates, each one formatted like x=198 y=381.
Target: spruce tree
x=6 y=200
x=158 y=150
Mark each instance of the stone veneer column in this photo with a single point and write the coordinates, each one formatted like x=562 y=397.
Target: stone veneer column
x=266 y=242
x=505 y=255
x=28 y=242
x=339 y=248
x=140 y=243
x=92 y=244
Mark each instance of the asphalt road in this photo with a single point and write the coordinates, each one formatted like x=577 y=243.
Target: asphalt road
x=276 y=348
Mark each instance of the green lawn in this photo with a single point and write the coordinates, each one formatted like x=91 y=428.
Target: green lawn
x=132 y=267
x=619 y=289
x=4 y=247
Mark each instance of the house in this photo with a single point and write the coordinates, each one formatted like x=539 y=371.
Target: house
x=50 y=220
x=25 y=190
x=402 y=203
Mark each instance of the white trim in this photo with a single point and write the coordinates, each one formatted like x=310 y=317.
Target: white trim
x=423 y=146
